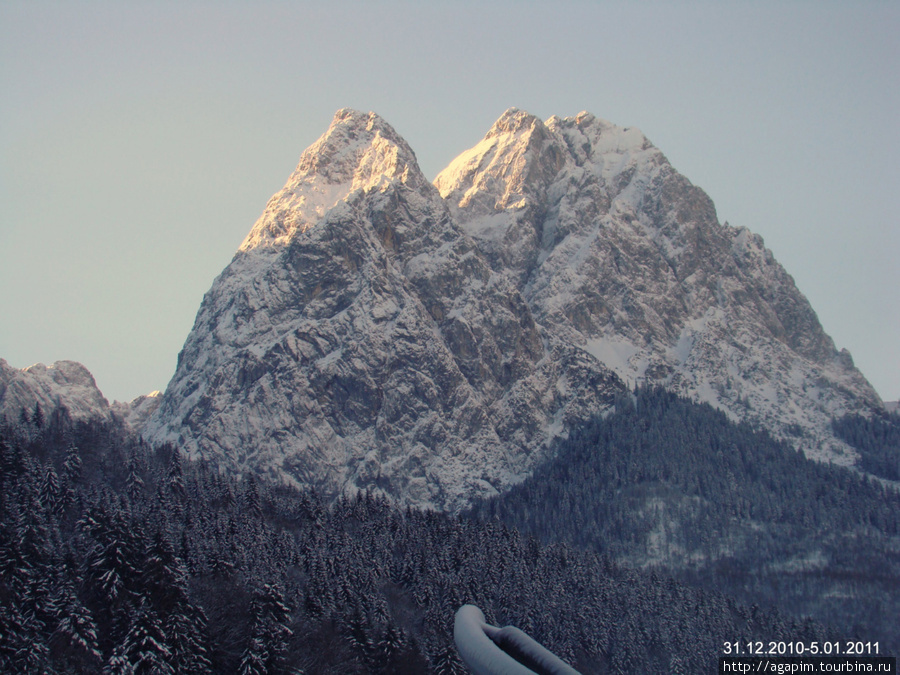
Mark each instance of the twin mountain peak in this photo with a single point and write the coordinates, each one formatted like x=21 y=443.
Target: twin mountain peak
x=429 y=341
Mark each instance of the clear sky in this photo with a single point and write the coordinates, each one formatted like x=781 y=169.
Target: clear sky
x=139 y=141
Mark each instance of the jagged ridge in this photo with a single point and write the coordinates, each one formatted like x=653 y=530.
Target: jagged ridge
x=376 y=349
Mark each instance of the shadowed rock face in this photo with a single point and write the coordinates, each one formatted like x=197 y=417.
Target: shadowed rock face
x=375 y=331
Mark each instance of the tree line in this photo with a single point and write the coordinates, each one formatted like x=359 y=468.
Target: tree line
x=117 y=557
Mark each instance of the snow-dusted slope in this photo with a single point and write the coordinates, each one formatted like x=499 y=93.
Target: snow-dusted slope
x=375 y=331
x=135 y=413
x=621 y=255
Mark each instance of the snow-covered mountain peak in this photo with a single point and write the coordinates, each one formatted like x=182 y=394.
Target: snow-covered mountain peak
x=503 y=189
x=358 y=152
x=509 y=169
x=619 y=253
x=63 y=372
x=513 y=121
x=376 y=348
x=606 y=148
x=360 y=148
x=134 y=413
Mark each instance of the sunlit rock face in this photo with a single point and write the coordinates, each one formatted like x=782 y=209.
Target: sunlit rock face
x=368 y=344
x=375 y=331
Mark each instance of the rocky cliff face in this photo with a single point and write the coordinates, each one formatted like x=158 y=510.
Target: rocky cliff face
x=360 y=339
x=375 y=331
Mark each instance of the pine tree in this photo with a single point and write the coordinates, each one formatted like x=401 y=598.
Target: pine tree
x=251 y=502
x=388 y=646
x=163 y=584
x=447 y=662
x=269 y=632
x=15 y=634
x=112 y=570
x=185 y=631
x=25 y=580
x=51 y=491
x=145 y=649
x=37 y=417
x=255 y=658
x=72 y=465
x=175 y=477
x=74 y=642
x=12 y=462
x=134 y=484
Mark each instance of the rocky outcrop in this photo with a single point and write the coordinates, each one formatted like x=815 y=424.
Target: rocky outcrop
x=63 y=388
x=65 y=391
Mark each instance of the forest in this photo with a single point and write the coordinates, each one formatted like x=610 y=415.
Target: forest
x=665 y=484
x=118 y=557
x=877 y=439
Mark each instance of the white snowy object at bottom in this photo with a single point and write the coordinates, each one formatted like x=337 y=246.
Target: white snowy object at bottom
x=487 y=649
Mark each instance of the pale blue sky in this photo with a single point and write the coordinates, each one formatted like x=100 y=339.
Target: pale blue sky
x=139 y=141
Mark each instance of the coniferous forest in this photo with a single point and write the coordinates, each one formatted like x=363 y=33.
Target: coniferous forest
x=666 y=484
x=877 y=439
x=121 y=558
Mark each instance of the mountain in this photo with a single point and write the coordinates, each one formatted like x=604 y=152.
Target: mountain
x=620 y=255
x=667 y=484
x=65 y=389
x=134 y=413
x=376 y=331
x=359 y=337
